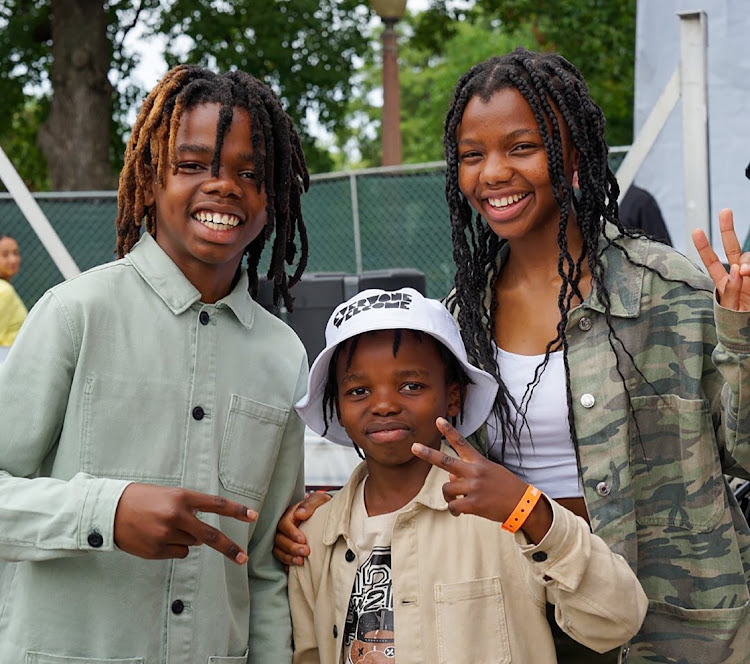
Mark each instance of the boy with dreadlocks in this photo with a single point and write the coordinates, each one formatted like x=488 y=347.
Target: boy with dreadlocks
x=147 y=405
x=392 y=576
x=620 y=373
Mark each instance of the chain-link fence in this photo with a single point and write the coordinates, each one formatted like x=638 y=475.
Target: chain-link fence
x=373 y=219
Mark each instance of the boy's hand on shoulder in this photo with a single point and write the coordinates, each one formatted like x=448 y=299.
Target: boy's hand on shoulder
x=157 y=523
x=477 y=485
x=290 y=542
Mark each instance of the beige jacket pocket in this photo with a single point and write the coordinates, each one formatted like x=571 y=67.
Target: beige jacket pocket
x=471 y=607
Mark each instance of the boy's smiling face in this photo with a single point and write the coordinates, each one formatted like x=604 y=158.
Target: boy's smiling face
x=204 y=222
x=386 y=403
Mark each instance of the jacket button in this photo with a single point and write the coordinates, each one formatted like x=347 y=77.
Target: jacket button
x=204 y=318
x=95 y=539
x=603 y=489
x=588 y=401
x=335 y=632
x=539 y=556
x=198 y=413
x=178 y=607
x=585 y=324
x=349 y=555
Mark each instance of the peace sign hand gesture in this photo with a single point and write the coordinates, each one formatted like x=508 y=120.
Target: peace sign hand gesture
x=480 y=486
x=733 y=287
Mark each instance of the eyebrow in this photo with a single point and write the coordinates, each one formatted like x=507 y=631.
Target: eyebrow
x=406 y=373
x=198 y=148
x=513 y=135
x=194 y=147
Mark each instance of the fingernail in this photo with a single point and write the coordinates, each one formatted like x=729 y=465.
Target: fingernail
x=301 y=551
x=302 y=509
x=241 y=558
x=299 y=539
x=298 y=561
x=417 y=447
x=251 y=515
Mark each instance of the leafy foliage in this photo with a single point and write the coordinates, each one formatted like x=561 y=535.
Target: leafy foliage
x=437 y=46
x=305 y=49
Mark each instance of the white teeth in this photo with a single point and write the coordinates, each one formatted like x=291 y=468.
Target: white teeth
x=505 y=201
x=217 y=221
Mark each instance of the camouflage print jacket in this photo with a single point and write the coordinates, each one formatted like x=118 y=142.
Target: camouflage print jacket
x=653 y=476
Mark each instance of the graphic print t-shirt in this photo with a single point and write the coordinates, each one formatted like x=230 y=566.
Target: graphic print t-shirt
x=369 y=629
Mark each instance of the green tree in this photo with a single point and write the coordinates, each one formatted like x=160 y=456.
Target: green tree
x=440 y=44
x=597 y=36
x=67 y=52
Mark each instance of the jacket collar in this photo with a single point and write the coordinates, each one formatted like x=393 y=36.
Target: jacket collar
x=167 y=280
x=622 y=279
x=338 y=519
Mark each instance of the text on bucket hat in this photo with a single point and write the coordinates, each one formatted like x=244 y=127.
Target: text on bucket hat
x=405 y=309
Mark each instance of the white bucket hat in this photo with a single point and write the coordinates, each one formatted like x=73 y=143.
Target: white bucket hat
x=406 y=309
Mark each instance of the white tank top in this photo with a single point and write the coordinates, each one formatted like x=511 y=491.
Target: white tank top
x=550 y=463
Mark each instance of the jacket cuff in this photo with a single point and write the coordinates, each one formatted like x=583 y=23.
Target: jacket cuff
x=732 y=327
x=562 y=555
x=96 y=529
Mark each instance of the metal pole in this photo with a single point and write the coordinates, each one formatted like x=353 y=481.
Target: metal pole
x=391 y=100
x=355 y=223
x=36 y=218
x=694 y=94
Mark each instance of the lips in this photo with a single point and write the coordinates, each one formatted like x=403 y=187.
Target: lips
x=377 y=427
x=388 y=432
x=504 y=207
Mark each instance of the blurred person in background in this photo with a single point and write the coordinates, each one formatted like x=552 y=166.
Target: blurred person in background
x=640 y=211
x=12 y=309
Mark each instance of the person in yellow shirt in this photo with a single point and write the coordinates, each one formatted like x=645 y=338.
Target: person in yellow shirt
x=12 y=309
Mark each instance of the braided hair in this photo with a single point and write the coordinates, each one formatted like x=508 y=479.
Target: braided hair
x=454 y=372
x=280 y=166
x=554 y=89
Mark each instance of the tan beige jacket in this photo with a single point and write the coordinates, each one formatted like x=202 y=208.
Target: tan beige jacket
x=465 y=590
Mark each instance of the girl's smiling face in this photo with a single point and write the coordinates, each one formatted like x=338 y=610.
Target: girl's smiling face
x=10 y=258
x=503 y=170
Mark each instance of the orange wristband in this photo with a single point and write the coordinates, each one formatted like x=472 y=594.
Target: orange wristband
x=522 y=510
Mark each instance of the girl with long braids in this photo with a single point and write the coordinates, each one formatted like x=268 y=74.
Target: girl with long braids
x=621 y=374
x=146 y=407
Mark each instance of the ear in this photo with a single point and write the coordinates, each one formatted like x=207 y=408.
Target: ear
x=575 y=163
x=454 y=400
x=148 y=187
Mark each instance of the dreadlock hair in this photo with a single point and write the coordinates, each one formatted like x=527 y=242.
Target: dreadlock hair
x=278 y=161
x=553 y=88
x=454 y=372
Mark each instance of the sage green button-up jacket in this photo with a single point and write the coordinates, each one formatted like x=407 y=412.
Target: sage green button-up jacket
x=99 y=390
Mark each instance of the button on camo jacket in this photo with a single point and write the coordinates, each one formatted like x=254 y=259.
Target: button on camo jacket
x=653 y=475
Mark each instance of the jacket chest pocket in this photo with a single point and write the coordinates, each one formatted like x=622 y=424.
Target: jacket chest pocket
x=132 y=428
x=250 y=445
x=44 y=658
x=471 y=607
x=675 y=466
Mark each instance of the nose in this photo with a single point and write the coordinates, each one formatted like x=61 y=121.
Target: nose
x=496 y=169
x=224 y=184
x=385 y=403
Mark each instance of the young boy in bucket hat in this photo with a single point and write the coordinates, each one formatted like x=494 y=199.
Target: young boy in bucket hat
x=391 y=571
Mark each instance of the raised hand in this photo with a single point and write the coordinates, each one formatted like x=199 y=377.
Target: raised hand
x=733 y=287
x=290 y=544
x=156 y=522
x=480 y=486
